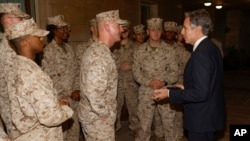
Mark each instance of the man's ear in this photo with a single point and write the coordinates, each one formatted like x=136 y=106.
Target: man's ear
x=106 y=27
x=25 y=42
x=199 y=28
x=92 y=29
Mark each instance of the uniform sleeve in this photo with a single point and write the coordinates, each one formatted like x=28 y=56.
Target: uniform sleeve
x=48 y=62
x=43 y=99
x=2 y=132
x=76 y=73
x=117 y=59
x=95 y=84
x=50 y=67
x=138 y=75
x=172 y=70
x=78 y=57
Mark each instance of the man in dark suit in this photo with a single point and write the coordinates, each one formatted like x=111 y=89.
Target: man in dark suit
x=203 y=99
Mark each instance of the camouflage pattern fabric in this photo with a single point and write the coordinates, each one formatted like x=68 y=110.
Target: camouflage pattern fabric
x=98 y=106
x=127 y=87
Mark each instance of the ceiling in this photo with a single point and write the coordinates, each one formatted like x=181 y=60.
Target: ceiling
x=226 y=3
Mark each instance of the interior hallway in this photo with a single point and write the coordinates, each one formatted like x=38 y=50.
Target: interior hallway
x=237 y=94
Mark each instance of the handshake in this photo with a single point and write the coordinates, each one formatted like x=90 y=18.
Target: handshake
x=163 y=93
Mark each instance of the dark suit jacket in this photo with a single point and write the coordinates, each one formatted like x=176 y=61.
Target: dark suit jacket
x=203 y=98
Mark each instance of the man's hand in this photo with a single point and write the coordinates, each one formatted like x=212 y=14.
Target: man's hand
x=5 y=139
x=63 y=101
x=160 y=94
x=125 y=67
x=156 y=84
x=75 y=95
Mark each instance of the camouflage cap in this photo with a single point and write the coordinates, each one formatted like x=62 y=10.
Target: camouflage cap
x=139 y=29
x=170 y=26
x=112 y=15
x=69 y=27
x=154 y=23
x=25 y=27
x=179 y=28
x=57 y=21
x=92 y=22
x=13 y=8
x=126 y=24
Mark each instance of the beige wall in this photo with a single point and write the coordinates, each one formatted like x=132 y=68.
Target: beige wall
x=79 y=12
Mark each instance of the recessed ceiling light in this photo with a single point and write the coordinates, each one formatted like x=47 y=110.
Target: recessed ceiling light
x=218 y=6
x=207 y=3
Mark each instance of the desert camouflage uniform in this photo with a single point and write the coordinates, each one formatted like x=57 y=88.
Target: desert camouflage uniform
x=183 y=56
x=35 y=109
x=127 y=87
x=6 y=60
x=98 y=93
x=2 y=131
x=157 y=126
x=79 y=50
x=152 y=64
x=60 y=63
x=136 y=46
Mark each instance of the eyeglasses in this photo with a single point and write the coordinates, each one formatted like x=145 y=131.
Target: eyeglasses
x=63 y=29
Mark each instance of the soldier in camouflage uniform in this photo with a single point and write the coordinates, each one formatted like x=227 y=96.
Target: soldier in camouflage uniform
x=170 y=34
x=138 y=35
x=182 y=53
x=154 y=66
x=182 y=56
x=35 y=110
x=10 y=14
x=60 y=63
x=98 y=105
x=79 y=49
x=127 y=87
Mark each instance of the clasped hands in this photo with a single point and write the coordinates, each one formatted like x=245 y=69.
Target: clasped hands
x=75 y=95
x=160 y=94
x=125 y=66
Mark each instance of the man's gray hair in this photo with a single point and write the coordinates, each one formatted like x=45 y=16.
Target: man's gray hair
x=201 y=18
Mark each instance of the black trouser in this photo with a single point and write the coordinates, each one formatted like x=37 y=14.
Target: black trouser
x=201 y=136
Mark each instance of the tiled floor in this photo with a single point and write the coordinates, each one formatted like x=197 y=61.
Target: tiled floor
x=237 y=94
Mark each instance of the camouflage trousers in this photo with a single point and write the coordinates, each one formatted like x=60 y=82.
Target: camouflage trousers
x=128 y=94
x=157 y=126
x=146 y=112
x=2 y=131
x=100 y=130
x=71 y=127
x=178 y=121
x=167 y=113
